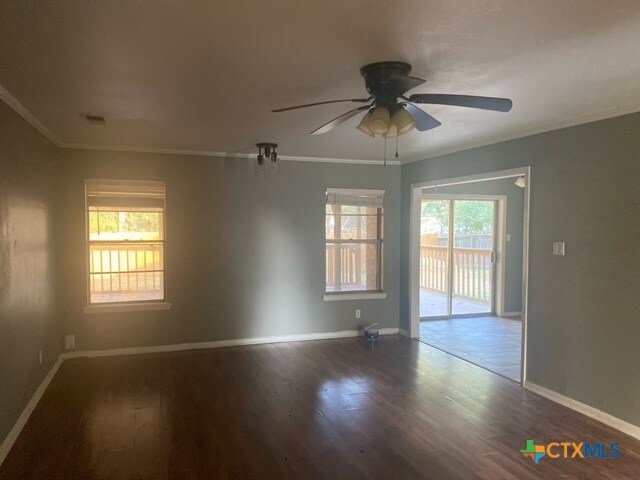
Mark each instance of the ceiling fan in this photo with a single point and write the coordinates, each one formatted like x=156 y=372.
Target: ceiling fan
x=389 y=112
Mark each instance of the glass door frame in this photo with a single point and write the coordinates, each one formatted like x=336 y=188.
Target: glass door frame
x=499 y=247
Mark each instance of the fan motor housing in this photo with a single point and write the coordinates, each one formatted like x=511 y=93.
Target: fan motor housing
x=376 y=75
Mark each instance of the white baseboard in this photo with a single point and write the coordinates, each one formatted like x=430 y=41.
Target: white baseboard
x=222 y=343
x=511 y=314
x=609 y=420
x=8 y=442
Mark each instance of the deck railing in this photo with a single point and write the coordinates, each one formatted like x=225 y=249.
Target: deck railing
x=350 y=266
x=471 y=272
x=131 y=269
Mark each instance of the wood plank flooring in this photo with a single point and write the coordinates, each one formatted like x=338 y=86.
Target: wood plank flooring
x=331 y=409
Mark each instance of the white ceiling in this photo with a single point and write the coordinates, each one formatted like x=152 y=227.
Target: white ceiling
x=203 y=76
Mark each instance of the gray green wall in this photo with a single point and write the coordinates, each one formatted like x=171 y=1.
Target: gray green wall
x=584 y=325
x=514 y=228
x=28 y=321
x=245 y=256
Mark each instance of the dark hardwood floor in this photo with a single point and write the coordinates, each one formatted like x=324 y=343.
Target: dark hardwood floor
x=334 y=409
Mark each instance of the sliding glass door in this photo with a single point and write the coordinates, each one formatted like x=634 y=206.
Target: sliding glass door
x=457 y=257
x=473 y=255
x=435 y=258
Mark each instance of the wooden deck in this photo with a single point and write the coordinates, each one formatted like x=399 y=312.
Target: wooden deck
x=435 y=304
x=332 y=409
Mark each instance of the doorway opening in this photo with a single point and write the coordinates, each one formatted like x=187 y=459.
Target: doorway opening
x=469 y=259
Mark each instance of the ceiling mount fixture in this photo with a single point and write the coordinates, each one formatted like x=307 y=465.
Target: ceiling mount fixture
x=267 y=159
x=387 y=82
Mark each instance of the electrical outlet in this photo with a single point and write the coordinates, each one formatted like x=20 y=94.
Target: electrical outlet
x=358 y=313
x=40 y=357
x=558 y=248
x=69 y=342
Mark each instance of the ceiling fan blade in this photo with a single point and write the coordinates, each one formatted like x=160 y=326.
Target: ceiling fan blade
x=398 y=84
x=338 y=120
x=471 y=101
x=359 y=100
x=424 y=121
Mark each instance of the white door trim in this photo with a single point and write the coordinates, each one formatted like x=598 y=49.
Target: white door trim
x=416 y=195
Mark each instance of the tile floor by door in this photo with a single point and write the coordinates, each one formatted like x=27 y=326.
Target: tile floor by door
x=490 y=342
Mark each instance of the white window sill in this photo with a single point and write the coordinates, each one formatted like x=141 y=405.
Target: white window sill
x=126 y=307
x=331 y=297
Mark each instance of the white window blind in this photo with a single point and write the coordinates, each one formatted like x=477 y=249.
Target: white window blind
x=362 y=198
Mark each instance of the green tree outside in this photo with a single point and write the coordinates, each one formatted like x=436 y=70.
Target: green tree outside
x=472 y=217
x=109 y=222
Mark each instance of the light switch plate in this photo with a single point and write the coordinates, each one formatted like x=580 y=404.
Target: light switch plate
x=558 y=248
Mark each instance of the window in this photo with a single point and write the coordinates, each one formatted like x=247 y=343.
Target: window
x=125 y=234
x=353 y=226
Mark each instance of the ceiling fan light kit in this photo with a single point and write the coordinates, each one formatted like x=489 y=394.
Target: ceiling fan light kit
x=363 y=126
x=403 y=121
x=400 y=123
x=387 y=82
x=379 y=121
x=392 y=132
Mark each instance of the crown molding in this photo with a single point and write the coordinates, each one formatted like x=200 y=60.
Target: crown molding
x=206 y=153
x=21 y=110
x=355 y=161
x=536 y=130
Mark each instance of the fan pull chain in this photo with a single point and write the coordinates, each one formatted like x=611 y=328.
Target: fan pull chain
x=385 y=151
x=397 y=146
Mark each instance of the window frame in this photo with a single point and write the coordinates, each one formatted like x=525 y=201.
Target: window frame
x=379 y=292
x=125 y=305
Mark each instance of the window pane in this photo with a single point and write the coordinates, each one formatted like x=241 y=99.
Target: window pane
x=118 y=257
x=126 y=287
x=126 y=240
x=355 y=222
x=434 y=258
x=352 y=267
x=330 y=222
x=130 y=224
x=353 y=239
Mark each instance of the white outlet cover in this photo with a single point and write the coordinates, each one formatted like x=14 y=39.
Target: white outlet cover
x=69 y=342
x=558 y=248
